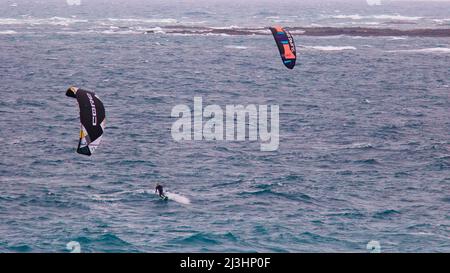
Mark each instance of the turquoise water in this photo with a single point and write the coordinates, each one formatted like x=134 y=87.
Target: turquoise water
x=364 y=131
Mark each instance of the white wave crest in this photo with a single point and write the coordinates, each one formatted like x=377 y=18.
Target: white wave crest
x=57 y=21
x=442 y=21
x=379 y=17
x=360 y=146
x=396 y=17
x=144 y=20
x=157 y=30
x=331 y=48
x=236 y=47
x=394 y=38
x=7 y=32
x=228 y=27
x=442 y=50
x=120 y=32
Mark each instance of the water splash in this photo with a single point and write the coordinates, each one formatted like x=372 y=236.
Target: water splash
x=178 y=198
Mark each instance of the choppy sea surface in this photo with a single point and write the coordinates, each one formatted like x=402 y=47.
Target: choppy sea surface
x=364 y=149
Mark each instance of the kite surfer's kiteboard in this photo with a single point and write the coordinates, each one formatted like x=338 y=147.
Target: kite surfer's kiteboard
x=164 y=198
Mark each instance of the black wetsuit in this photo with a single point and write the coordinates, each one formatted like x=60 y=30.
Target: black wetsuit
x=159 y=189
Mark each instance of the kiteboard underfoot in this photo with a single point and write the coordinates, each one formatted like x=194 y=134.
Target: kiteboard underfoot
x=177 y=198
x=164 y=198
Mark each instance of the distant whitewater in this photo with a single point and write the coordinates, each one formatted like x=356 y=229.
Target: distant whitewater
x=331 y=48
x=442 y=50
x=171 y=26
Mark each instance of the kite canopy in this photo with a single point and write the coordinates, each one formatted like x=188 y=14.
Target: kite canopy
x=92 y=118
x=286 y=45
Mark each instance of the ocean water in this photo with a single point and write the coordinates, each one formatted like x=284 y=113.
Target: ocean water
x=364 y=149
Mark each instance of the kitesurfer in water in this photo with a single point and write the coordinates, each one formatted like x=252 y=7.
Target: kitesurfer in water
x=159 y=190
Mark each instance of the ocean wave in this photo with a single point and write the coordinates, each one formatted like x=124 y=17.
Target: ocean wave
x=7 y=32
x=291 y=196
x=442 y=50
x=396 y=17
x=386 y=214
x=370 y=23
x=105 y=198
x=352 y=16
x=157 y=30
x=442 y=21
x=236 y=47
x=172 y=26
x=370 y=161
x=439 y=164
x=360 y=146
x=120 y=32
x=306 y=31
x=54 y=200
x=20 y=248
x=397 y=38
x=120 y=196
x=227 y=27
x=144 y=20
x=331 y=48
x=348 y=214
x=202 y=238
x=277 y=19
x=194 y=22
x=104 y=242
x=198 y=13
x=57 y=21
x=379 y=17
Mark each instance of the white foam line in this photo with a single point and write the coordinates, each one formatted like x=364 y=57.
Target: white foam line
x=178 y=198
x=331 y=48
x=424 y=50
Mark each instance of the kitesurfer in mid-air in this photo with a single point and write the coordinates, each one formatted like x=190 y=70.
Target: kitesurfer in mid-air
x=159 y=190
